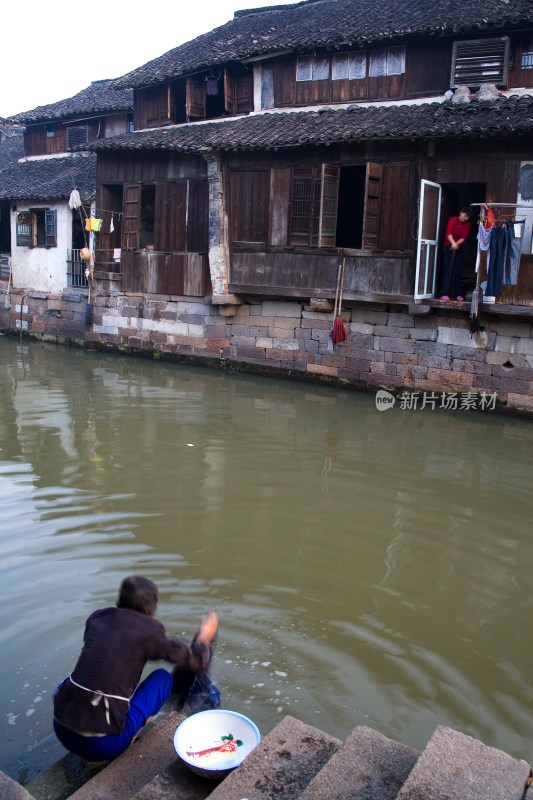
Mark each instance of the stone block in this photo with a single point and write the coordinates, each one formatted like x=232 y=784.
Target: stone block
x=435 y=362
x=510 y=328
x=424 y=334
x=379 y=366
x=285 y=344
x=243 y=341
x=512 y=373
x=457 y=767
x=524 y=346
x=457 y=381
x=276 y=354
x=505 y=344
x=264 y=341
x=103 y=330
x=367 y=767
x=281 y=333
x=520 y=400
x=282 y=309
x=405 y=358
x=426 y=348
x=320 y=369
x=375 y=317
x=311 y=346
x=320 y=304
x=332 y=360
x=281 y=766
x=399 y=320
x=254 y=353
x=384 y=330
x=361 y=327
x=394 y=345
x=317 y=324
x=463 y=338
x=505 y=358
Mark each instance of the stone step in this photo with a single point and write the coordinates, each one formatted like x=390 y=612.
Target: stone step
x=456 y=767
x=367 y=767
x=62 y=778
x=11 y=790
x=281 y=766
x=149 y=756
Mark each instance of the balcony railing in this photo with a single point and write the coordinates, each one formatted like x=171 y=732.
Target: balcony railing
x=76 y=270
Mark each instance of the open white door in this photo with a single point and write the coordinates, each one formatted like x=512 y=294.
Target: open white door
x=428 y=232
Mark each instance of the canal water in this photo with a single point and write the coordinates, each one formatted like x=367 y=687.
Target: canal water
x=369 y=567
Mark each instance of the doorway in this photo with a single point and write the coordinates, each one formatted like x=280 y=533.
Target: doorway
x=456 y=196
x=350 y=211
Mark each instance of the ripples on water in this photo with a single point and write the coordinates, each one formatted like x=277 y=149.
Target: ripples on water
x=369 y=568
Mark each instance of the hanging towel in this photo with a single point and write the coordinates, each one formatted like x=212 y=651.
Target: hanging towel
x=111 y=225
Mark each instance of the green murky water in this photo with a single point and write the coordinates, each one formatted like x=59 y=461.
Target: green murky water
x=368 y=568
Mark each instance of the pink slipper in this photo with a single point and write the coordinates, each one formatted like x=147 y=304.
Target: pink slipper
x=460 y=298
x=445 y=297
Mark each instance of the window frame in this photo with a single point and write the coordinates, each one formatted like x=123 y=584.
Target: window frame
x=37 y=227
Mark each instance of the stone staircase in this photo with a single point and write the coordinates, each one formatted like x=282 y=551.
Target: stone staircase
x=294 y=760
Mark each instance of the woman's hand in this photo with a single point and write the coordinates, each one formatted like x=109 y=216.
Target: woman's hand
x=208 y=628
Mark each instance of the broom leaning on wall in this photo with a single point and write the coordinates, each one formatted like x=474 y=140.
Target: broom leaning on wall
x=338 y=333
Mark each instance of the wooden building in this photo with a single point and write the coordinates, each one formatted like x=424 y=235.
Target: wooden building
x=269 y=148
x=40 y=235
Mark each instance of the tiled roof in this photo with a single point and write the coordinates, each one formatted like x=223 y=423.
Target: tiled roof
x=101 y=97
x=11 y=149
x=395 y=121
x=50 y=178
x=334 y=23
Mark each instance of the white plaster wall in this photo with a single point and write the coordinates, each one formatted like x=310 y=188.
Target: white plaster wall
x=39 y=268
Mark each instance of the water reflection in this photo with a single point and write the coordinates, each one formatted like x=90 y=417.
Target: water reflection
x=369 y=568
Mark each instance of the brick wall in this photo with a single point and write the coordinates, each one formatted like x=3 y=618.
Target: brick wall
x=387 y=347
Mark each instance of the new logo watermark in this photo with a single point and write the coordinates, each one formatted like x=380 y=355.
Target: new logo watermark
x=448 y=401
x=384 y=400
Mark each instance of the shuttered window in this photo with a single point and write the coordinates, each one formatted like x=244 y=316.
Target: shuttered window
x=250 y=195
x=50 y=228
x=478 y=61
x=37 y=228
x=77 y=134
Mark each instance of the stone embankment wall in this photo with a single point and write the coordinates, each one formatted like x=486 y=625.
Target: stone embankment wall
x=387 y=346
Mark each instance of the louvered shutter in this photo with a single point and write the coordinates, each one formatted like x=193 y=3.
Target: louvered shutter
x=477 y=61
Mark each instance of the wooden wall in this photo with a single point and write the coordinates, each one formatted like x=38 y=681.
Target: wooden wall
x=185 y=274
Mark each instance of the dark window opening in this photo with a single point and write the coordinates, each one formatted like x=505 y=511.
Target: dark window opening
x=214 y=97
x=5 y=229
x=351 y=207
x=147 y=216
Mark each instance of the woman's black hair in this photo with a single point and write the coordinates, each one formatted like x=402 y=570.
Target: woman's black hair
x=467 y=210
x=138 y=593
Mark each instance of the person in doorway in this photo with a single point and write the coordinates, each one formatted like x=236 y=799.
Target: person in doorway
x=457 y=232
x=101 y=707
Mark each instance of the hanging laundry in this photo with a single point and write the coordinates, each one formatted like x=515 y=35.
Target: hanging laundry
x=111 y=225
x=93 y=224
x=211 y=86
x=505 y=249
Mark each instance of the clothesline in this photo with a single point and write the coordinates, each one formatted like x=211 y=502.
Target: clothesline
x=502 y=205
